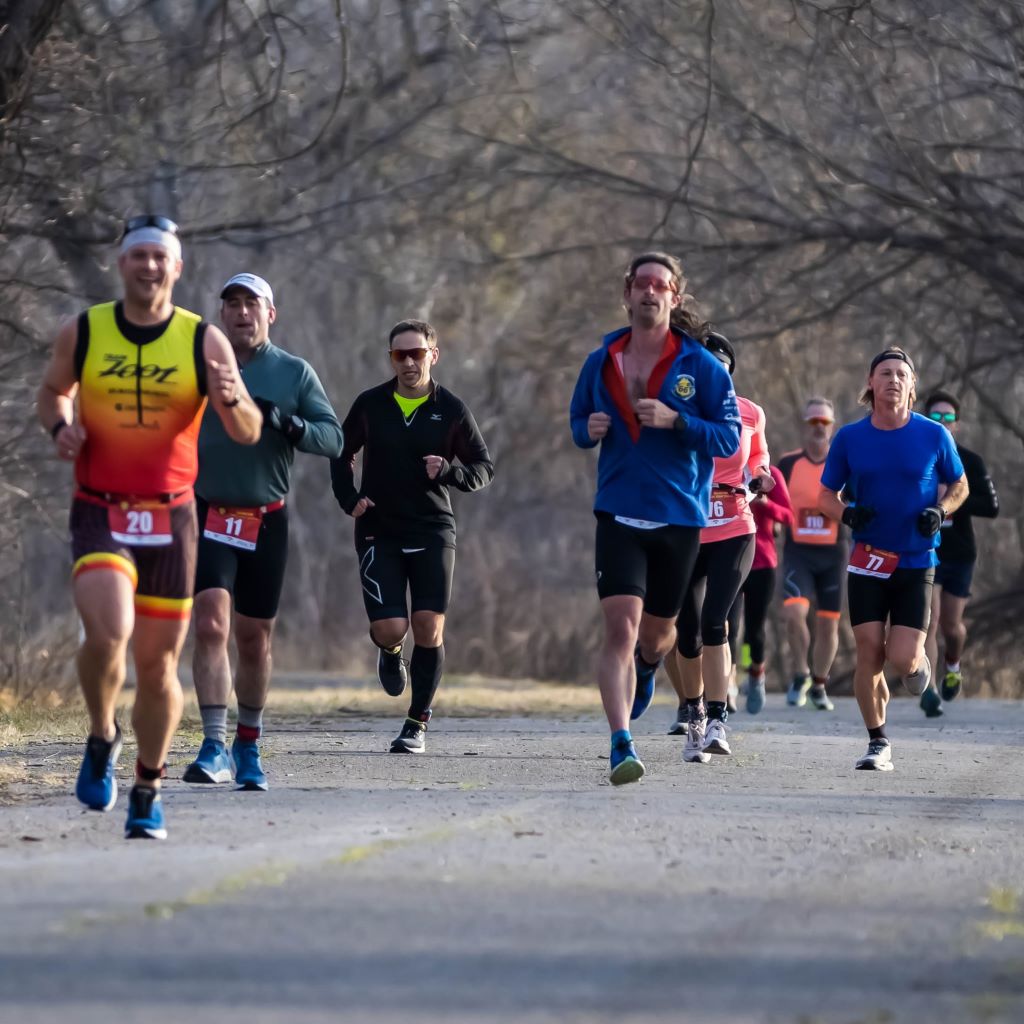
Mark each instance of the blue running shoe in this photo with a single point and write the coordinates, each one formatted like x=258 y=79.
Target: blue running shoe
x=97 y=778
x=626 y=766
x=145 y=814
x=212 y=764
x=644 y=686
x=249 y=772
x=755 y=694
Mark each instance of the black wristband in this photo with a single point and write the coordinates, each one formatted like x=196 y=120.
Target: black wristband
x=681 y=423
x=231 y=405
x=58 y=427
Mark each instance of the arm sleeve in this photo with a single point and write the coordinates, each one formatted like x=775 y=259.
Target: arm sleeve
x=759 y=459
x=836 y=474
x=777 y=504
x=343 y=468
x=949 y=466
x=468 y=447
x=714 y=428
x=323 y=434
x=982 y=501
x=582 y=405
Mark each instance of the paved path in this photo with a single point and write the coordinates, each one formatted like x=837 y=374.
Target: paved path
x=499 y=878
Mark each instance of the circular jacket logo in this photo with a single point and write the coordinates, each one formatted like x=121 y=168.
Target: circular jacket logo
x=685 y=387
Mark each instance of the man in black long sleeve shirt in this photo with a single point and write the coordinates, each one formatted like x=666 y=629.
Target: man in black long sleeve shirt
x=410 y=430
x=957 y=556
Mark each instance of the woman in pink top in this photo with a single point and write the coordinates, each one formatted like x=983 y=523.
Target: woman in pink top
x=726 y=553
x=756 y=594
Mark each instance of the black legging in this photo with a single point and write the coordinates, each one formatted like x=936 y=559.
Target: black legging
x=754 y=598
x=721 y=568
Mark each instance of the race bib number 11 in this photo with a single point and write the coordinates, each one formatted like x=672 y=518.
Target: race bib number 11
x=140 y=525
x=236 y=527
x=868 y=561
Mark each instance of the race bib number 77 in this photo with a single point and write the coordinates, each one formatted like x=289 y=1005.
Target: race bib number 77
x=866 y=560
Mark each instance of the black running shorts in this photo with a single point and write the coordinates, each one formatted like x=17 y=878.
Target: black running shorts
x=388 y=568
x=721 y=569
x=253 y=578
x=814 y=572
x=162 y=575
x=652 y=564
x=905 y=598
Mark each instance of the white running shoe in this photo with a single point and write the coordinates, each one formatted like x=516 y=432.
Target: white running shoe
x=877 y=759
x=715 y=741
x=693 y=750
x=917 y=682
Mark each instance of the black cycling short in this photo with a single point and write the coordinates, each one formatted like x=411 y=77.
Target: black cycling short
x=721 y=568
x=753 y=600
x=253 y=578
x=388 y=568
x=814 y=571
x=905 y=598
x=652 y=564
x=954 y=576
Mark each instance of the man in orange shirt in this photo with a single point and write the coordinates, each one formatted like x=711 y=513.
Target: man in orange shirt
x=813 y=562
x=122 y=397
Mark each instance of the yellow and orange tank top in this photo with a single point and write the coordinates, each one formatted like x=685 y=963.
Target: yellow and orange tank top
x=810 y=525
x=141 y=403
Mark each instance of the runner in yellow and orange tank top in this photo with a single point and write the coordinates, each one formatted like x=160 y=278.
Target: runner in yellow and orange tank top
x=122 y=397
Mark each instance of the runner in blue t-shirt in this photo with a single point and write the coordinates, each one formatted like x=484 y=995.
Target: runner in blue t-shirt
x=890 y=464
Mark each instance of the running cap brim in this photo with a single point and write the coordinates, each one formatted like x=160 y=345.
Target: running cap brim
x=251 y=283
x=892 y=353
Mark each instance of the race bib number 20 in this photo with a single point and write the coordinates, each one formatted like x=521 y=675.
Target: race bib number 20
x=140 y=525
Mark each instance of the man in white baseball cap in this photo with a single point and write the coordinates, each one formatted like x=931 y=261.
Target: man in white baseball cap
x=243 y=520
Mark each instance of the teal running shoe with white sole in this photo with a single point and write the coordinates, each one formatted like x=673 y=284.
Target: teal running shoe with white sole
x=625 y=765
x=249 y=774
x=145 y=814
x=97 y=778
x=211 y=766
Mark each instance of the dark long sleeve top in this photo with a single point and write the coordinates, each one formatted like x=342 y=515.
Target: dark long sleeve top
x=958 y=543
x=409 y=506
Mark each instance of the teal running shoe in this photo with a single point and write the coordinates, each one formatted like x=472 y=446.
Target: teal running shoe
x=931 y=703
x=644 y=686
x=97 y=778
x=625 y=765
x=145 y=814
x=211 y=766
x=249 y=774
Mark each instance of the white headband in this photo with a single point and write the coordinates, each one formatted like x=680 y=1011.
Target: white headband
x=152 y=236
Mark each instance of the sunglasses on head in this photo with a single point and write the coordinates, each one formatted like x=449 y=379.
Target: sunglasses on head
x=942 y=417
x=150 y=220
x=818 y=421
x=656 y=284
x=399 y=355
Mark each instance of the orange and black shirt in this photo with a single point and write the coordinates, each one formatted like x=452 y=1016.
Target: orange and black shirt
x=141 y=399
x=803 y=477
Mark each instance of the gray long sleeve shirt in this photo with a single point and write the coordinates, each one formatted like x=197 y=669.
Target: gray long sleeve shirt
x=248 y=476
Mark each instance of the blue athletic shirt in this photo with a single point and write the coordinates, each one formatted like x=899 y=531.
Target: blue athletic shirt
x=897 y=473
x=664 y=475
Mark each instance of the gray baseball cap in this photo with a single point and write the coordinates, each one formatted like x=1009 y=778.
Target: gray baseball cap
x=252 y=283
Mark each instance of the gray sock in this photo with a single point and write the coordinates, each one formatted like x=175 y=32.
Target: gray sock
x=215 y=721
x=250 y=722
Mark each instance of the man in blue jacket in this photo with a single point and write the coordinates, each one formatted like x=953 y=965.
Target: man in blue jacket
x=662 y=409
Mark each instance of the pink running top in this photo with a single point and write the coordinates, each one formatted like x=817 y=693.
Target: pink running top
x=730 y=515
x=771 y=508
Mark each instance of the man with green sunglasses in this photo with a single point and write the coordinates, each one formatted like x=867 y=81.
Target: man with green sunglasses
x=958 y=555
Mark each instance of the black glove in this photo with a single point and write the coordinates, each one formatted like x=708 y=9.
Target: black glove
x=293 y=427
x=929 y=522
x=856 y=517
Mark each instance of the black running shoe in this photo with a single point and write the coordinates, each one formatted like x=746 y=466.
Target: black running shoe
x=392 y=671
x=412 y=738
